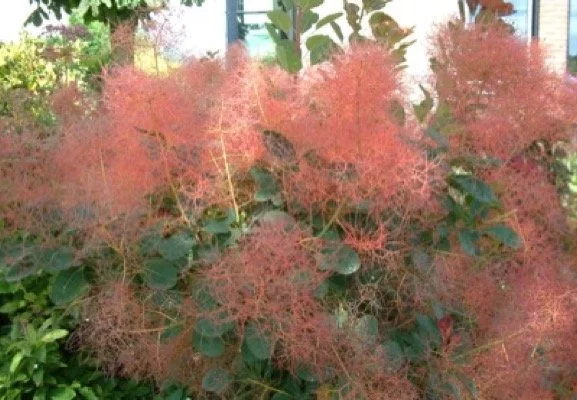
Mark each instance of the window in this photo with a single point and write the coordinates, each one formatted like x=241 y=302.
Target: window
x=522 y=20
x=246 y=22
x=572 y=45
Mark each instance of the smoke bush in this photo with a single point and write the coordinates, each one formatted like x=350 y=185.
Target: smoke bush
x=248 y=232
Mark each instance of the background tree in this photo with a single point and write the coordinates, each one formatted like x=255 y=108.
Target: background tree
x=121 y=16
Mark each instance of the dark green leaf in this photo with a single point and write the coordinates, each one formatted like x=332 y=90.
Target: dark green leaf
x=305 y=373
x=176 y=247
x=395 y=355
x=220 y=224
x=338 y=31
x=367 y=327
x=425 y=106
x=468 y=383
x=208 y=346
x=478 y=189
x=505 y=235
x=202 y=296
x=21 y=268
x=211 y=329
x=55 y=260
x=216 y=380
x=427 y=328
x=175 y=393
x=257 y=342
x=467 y=239
x=340 y=258
x=159 y=274
x=267 y=187
x=374 y=5
x=68 y=285
x=281 y=396
x=170 y=333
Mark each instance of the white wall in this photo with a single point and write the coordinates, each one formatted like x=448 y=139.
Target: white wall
x=420 y=14
x=206 y=26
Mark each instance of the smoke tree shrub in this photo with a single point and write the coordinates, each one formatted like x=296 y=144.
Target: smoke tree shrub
x=246 y=232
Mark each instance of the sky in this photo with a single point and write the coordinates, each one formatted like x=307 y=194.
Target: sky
x=13 y=13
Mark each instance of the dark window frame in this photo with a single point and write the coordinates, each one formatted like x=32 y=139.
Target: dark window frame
x=571 y=66
x=234 y=11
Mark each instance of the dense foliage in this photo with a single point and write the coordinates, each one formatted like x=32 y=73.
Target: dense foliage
x=232 y=230
x=34 y=70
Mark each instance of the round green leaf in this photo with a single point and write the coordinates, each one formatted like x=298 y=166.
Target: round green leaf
x=216 y=380
x=368 y=328
x=305 y=373
x=176 y=247
x=220 y=224
x=208 y=328
x=208 y=346
x=68 y=285
x=427 y=328
x=202 y=296
x=170 y=333
x=258 y=343
x=21 y=268
x=55 y=260
x=320 y=48
x=267 y=187
x=342 y=259
x=395 y=355
x=160 y=274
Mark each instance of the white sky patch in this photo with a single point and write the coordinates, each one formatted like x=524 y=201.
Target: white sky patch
x=13 y=13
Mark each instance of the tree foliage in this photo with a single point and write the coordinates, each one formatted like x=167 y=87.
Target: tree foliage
x=109 y=11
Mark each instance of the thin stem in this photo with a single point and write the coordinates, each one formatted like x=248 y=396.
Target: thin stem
x=346 y=372
x=227 y=169
x=264 y=386
x=331 y=221
x=490 y=344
